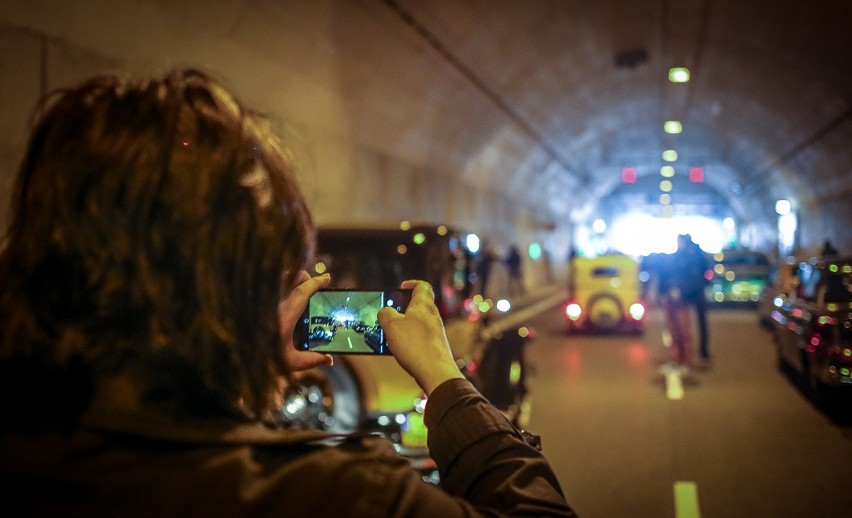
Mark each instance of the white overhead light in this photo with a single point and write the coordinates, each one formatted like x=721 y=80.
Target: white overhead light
x=672 y=127
x=783 y=207
x=679 y=75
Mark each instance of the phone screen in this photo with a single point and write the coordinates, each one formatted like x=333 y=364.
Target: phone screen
x=346 y=321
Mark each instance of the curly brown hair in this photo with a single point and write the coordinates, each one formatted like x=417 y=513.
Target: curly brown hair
x=155 y=225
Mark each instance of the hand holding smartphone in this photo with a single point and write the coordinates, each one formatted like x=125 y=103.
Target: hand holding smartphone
x=339 y=321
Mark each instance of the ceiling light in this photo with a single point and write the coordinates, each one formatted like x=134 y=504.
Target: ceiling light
x=672 y=127
x=666 y=199
x=783 y=207
x=667 y=171
x=679 y=75
x=670 y=155
x=665 y=186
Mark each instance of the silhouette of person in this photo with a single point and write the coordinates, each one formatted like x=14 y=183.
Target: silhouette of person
x=828 y=249
x=513 y=264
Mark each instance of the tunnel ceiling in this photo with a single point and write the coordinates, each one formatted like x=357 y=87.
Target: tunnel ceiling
x=766 y=113
x=545 y=101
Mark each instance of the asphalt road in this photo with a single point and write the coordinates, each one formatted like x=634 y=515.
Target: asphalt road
x=741 y=441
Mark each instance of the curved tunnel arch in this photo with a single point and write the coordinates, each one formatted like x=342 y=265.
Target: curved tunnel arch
x=509 y=118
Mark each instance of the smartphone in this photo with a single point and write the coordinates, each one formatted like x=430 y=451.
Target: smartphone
x=338 y=321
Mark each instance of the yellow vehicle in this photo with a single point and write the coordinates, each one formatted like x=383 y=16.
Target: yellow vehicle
x=605 y=294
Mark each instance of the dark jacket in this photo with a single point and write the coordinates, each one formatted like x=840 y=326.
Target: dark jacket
x=684 y=271
x=134 y=465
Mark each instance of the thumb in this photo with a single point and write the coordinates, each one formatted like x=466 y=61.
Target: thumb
x=388 y=315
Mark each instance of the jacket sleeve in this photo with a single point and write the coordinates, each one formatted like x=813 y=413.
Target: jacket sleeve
x=484 y=459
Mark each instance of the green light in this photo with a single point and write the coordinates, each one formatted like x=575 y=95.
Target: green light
x=667 y=171
x=672 y=127
x=419 y=238
x=514 y=373
x=670 y=155
x=534 y=251
x=679 y=75
x=844 y=371
x=833 y=268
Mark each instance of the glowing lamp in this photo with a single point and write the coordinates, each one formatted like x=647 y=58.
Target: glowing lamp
x=783 y=207
x=534 y=251
x=672 y=127
x=696 y=174
x=472 y=242
x=637 y=311
x=573 y=311
x=679 y=74
x=628 y=175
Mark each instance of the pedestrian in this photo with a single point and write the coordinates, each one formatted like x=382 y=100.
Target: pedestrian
x=513 y=265
x=681 y=287
x=150 y=282
x=828 y=249
x=483 y=269
x=693 y=262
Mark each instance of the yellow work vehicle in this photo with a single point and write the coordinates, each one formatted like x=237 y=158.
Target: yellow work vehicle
x=605 y=294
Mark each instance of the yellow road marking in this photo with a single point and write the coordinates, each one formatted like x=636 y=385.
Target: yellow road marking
x=686 y=500
x=674 y=385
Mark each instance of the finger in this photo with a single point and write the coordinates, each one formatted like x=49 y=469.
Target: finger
x=304 y=360
x=291 y=308
x=387 y=315
x=422 y=290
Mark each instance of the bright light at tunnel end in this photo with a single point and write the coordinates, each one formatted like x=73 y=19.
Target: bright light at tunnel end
x=640 y=234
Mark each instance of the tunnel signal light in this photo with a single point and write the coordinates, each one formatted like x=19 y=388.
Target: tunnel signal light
x=696 y=174
x=628 y=175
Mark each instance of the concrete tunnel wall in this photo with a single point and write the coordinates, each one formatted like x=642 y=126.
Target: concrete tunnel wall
x=343 y=179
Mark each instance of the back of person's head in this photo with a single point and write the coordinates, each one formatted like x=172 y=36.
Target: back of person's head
x=155 y=224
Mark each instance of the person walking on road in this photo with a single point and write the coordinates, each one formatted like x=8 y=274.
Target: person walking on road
x=681 y=288
x=513 y=264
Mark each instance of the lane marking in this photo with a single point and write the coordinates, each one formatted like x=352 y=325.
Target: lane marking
x=349 y=339
x=667 y=338
x=674 y=385
x=686 y=500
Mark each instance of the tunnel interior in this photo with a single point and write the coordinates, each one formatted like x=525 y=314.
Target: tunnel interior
x=547 y=122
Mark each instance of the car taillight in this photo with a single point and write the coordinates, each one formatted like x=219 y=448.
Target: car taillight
x=637 y=311
x=573 y=311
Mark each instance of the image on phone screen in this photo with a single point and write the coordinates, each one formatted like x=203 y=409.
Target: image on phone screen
x=346 y=321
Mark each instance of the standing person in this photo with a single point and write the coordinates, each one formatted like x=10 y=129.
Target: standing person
x=483 y=269
x=513 y=264
x=681 y=287
x=828 y=249
x=150 y=283
x=690 y=258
